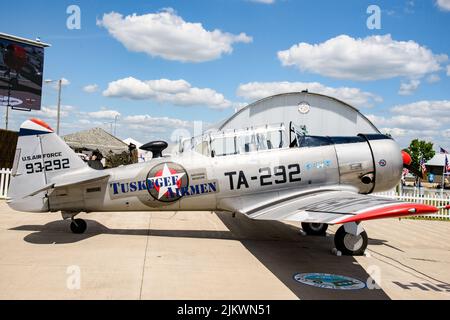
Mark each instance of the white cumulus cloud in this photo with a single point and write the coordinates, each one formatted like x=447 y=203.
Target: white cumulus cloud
x=178 y=92
x=403 y=121
x=103 y=113
x=448 y=70
x=90 y=88
x=433 y=78
x=51 y=112
x=156 y=121
x=55 y=83
x=170 y=129
x=167 y=35
x=408 y=88
x=439 y=110
x=64 y=82
x=427 y=120
x=353 y=96
x=370 y=58
x=443 y=4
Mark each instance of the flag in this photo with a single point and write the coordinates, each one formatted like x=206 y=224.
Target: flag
x=442 y=150
x=424 y=169
x=447 y=165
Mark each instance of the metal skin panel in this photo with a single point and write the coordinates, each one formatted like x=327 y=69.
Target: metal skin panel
x=355 y=160
x=253 y=166
x=234 y=177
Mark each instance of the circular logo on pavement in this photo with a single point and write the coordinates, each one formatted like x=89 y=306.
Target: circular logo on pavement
x=329 y=281
x=167 y=182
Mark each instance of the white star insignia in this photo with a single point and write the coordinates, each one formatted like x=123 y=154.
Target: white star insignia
x=166 y=181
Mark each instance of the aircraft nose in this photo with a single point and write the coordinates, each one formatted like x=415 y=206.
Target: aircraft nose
x=406 y=158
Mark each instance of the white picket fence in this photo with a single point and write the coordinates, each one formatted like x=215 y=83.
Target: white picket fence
x=5 y=175
x=437 y=200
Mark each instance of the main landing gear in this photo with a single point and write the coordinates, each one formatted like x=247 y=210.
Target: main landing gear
x=77 y=226
x=314 y=229
x=350 y=239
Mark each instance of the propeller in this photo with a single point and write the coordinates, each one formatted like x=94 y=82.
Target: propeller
x=407 y=164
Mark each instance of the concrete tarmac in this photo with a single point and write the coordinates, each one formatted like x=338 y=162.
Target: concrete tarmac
x=204 y=255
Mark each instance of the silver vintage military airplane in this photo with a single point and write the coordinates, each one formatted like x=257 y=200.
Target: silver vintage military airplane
x=258 y=172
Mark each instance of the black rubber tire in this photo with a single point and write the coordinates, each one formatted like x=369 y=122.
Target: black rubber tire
x=78 y=226
x=340 y=243
x=314 y=229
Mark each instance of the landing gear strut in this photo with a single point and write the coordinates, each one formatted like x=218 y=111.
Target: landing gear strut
x=351 y=239
x=77 y=226
x=314 y=229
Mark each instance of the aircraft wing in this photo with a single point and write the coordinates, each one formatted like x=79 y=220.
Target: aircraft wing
x=80 y=176
x=331 y=206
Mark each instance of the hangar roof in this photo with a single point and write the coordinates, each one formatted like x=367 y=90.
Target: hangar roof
x=322 y=115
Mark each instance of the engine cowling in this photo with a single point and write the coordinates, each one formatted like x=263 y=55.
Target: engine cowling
x=387 y=161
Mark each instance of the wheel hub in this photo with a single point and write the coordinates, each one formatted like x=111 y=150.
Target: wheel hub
x=352 y=242
x=316 y=226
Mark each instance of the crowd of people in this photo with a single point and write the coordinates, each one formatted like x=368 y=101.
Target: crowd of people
x=96 y=160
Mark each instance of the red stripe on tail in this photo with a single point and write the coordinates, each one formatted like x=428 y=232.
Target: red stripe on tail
x=41 y=123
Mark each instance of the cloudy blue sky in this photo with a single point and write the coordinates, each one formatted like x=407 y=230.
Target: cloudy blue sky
x=161 y=65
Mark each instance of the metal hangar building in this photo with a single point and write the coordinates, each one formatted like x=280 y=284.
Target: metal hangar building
x=319 y=114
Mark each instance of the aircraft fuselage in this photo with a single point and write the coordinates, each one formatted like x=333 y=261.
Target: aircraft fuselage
x=192 y=181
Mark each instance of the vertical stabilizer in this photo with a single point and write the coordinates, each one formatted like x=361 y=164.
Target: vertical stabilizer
x=40 y=156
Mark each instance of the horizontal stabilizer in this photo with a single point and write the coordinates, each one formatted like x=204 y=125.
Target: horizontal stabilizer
x=82 y=176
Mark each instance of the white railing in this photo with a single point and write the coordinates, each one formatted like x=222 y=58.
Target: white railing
x=5 y=175
x=437 y=200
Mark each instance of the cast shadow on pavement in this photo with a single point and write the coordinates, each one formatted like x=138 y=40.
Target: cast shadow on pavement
x=278 y=246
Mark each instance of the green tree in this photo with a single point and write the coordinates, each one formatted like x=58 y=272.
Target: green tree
x=419 y=149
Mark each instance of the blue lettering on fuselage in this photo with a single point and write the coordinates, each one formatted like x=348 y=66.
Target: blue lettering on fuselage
x=174 y=191
x=318 y=164
x=127 y=187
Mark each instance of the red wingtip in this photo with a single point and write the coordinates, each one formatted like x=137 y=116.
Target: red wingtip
x=41 y=123
x=400 y=210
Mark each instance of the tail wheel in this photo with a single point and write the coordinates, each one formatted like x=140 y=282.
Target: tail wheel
x=350 y=244
x=314 y=229
x=78 y=226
